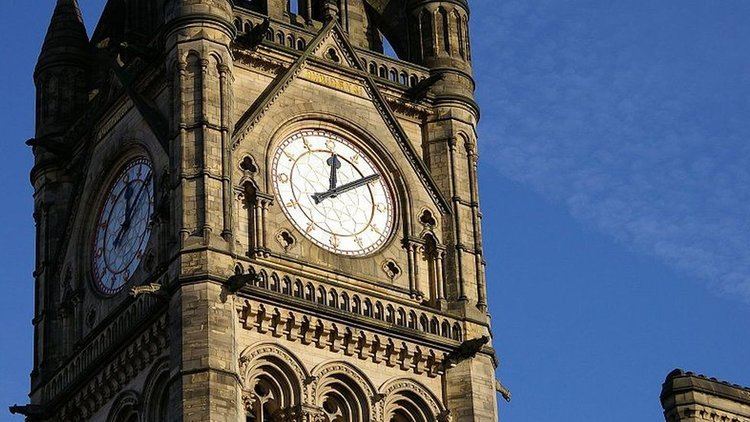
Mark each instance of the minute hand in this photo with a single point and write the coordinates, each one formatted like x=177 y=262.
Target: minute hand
x=332 y=193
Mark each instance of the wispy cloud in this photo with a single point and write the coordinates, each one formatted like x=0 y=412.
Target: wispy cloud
x=636 y=116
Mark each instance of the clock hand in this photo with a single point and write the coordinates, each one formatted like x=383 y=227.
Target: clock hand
x=335 y=164
x=129 y=212
x=332 y=193
x=126 y=221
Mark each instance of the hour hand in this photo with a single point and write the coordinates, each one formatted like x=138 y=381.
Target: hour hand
x=126 y=221
x=332 y=193
x=335 y=164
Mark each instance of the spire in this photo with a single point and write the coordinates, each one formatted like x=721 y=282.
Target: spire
x=66 y=41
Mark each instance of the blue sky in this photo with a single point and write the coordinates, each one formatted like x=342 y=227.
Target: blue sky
x=615 y=177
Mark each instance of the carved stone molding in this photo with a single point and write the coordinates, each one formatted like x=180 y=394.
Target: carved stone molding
x=117 y=372
x=324 y=334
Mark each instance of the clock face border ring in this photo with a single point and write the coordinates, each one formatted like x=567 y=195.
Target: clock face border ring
x=114 y=172
x=360 y=144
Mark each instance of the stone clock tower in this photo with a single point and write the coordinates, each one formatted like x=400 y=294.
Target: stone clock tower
x=245 y=211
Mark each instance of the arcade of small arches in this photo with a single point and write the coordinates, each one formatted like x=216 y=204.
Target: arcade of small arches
x=294 y=41
x=352 y=302
x=278 y=388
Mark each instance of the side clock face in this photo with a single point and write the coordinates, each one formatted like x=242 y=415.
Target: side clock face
x=123 y=226
x=333 y=193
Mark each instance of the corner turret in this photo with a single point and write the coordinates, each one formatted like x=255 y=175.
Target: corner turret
x=439 y=40
x=61 y=75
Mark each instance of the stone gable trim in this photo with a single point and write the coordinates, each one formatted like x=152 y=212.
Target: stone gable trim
x=254 y=114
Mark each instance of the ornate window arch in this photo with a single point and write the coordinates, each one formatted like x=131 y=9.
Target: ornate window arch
x=343 y=393
x=156 y=392
x=272 y=382
x=407 y=400
x=126 y=408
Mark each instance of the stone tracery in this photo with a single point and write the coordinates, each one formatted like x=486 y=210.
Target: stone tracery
x=277 y=387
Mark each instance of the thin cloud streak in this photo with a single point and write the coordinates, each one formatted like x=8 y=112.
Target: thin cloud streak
x=640 y=128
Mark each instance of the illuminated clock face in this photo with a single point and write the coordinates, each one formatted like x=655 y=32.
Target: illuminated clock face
x=123 y=226
x=333 y=193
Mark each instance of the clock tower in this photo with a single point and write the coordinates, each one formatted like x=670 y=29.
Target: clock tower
x=246 y=211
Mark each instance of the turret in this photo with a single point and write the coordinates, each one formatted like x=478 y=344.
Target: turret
x=439 y=40
x=61 y=79
x=61 y=74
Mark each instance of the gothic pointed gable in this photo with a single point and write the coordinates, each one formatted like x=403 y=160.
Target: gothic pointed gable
x=332 y=45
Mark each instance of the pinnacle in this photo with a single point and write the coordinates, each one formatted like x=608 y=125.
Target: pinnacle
x=66 y=37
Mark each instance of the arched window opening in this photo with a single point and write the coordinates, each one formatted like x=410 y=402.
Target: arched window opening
x=393 y=75
x=445 y=330
x=383 y=72
x=310 y=292
x=445 y=30
x=301 y=44
x=379 y=311
x=333 y=299
x=373 y=68
x=344 y=302
x=343 y=400
x=322 y=295
x=460 y=32
x=424 y=324
x=248 y=27
x=426 y=31
x=280 y=38
x=412 y=320
x=401 y=318
x=126 y=408
x=272 y=389
x=408 y=406
x=158 y=401
x=457 y=332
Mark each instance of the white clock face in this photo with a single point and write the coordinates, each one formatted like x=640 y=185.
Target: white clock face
x=123 y=227
x=333 y=193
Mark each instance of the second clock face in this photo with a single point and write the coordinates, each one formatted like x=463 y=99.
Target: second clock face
x=333 y=193
x=123 y=227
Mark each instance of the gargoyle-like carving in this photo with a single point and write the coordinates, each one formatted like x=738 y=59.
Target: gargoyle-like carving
x=238 y=281
x=31 y=411
x=253 y=38
x=467 y=350
x=503 y=390
x=149 y=289
x=418 y=91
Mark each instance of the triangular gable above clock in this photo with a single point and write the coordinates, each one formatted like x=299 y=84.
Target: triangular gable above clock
x=332 y=45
